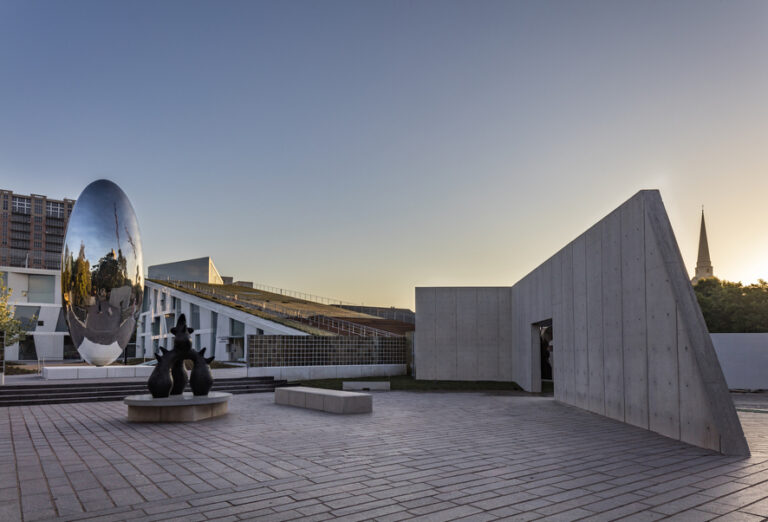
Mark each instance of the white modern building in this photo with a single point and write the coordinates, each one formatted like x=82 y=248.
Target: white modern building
x=220 y=328
x=199 y=270
x=36 y=297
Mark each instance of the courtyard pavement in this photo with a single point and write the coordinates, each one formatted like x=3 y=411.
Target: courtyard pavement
x=424 y=456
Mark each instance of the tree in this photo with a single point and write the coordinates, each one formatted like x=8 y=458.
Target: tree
x=80 y=277
x=732 y=307
x=11 y=329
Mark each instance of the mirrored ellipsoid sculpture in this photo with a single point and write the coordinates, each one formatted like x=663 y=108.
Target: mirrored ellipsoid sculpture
x=102 y=272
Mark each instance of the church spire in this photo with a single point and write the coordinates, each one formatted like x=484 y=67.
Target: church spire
x=703 y=263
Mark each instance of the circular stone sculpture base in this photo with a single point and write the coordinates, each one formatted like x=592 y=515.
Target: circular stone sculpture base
x=178 y=408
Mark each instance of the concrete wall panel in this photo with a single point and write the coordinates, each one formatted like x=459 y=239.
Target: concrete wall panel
x=697 y=424
x=558 y=374
x=445 y=335
x=520 y=372
x=425 y=350
x=504 y=355
x=467 y=333
x=633 y=312
x=613 y=352
x=562 y=330
x=488 y=344
x=580 y=349
x=721 y=412
x=594 y=320
x=463 y=334
x=663 y=393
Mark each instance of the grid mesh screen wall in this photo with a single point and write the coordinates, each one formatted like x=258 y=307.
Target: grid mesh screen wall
x=306 y=350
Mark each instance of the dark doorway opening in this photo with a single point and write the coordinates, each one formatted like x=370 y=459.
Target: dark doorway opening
x=70 y=352
x=543 y=354
x=27 y=351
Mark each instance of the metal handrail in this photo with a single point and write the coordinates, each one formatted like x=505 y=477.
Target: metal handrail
x=370 y=310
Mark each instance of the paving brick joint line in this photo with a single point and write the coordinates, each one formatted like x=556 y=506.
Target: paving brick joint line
x=424 y=456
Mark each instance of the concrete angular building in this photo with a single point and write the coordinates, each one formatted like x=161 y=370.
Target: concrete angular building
x=628 y=337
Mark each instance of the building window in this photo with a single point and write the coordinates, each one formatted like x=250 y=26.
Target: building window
x=236 y=328
x=28 y=316
x=54 y=209
x=42 y=288
x=259 y=331
x=21 y=205
x=194 y=316
x=38 y=207
x=214 y=331
x=145 y=302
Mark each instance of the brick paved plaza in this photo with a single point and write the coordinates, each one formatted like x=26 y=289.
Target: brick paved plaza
x=426 y=456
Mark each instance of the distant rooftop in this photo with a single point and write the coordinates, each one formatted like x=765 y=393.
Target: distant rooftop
x=199 y=270
x=311 y=317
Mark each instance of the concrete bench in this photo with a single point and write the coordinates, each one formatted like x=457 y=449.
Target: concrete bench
x=332 y=401
x=366 y=385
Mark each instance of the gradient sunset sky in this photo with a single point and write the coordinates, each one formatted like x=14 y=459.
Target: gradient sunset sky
x=359 y=149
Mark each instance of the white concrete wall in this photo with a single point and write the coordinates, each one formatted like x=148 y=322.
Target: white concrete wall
x=630 y=341
x=463 y=334
x=743 y=358
x=49 y=344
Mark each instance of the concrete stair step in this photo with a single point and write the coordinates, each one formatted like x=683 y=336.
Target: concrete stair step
x=23 y=395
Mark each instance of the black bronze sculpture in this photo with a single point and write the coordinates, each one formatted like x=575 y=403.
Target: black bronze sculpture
x=182 y=350
x=160 y=382
x=201 y=379
x=170 y=376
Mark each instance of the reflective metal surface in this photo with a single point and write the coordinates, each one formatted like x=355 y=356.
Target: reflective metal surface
x=102 y=272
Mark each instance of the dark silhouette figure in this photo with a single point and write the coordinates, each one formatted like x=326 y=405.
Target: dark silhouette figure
x=545 y=340
x=182 y=350
x=170 y=377
x=160 y=382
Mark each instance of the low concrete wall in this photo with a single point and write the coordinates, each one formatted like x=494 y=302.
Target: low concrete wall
x=744 y=359
x=294 y=373
x=95 y=372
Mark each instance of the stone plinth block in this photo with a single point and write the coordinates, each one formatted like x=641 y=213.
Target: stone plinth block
x=332 y=401
x=177 y=408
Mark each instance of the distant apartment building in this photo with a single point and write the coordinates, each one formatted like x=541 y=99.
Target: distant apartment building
x=32 y=230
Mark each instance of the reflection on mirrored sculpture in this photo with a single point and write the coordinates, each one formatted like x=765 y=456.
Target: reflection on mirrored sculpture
x=102 y=272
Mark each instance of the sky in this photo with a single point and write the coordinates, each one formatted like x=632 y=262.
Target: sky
x=356 y=150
